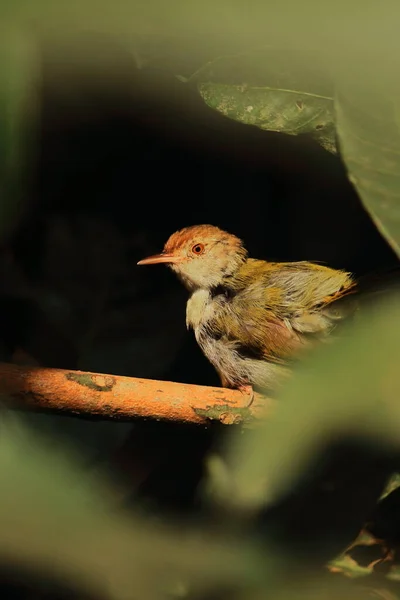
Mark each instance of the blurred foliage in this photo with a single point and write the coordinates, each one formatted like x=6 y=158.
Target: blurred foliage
x=54 y=513
x=355 y=47
x=330 y=69
x=368 y=125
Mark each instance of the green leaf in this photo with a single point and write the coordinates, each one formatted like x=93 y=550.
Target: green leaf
x=368 y=126
x=287 y=111
x=55 y=515
x=260 y=88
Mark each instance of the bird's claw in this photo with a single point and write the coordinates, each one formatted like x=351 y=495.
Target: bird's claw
x=248 y=390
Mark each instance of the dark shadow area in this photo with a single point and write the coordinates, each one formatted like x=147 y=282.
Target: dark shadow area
x=22 y=582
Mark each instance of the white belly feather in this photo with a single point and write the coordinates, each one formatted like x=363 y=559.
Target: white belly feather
x=222 y=352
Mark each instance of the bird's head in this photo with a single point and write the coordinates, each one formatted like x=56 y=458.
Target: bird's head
x=201 y=255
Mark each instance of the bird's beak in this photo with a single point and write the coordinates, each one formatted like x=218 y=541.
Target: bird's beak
x=160 y=258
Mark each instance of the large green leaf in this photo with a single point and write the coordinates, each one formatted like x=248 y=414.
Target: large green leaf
x=368 y=125
x=327 y=26
x=58 y=518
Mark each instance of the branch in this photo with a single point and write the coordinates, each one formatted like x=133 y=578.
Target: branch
x=126 y=398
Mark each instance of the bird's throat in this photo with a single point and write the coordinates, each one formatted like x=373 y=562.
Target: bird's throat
x=199 y=308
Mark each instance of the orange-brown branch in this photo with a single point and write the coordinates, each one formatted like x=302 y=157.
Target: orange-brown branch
x=114 y=396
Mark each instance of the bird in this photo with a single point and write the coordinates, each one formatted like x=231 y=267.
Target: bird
x=254 y=318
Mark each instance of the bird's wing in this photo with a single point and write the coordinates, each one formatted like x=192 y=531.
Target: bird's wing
x=314 y=297
x=255 y=333
x=280 y=310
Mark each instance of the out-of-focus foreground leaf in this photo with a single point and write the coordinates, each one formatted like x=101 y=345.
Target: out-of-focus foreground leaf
x=55 y=516
x=328 y=27
x=269 y=88
x=18 y=108
x=350 y=387
x=368 y=125
x=339 y=36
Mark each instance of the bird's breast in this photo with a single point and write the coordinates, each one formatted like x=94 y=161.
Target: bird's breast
x=224 y=353
x=199 y=309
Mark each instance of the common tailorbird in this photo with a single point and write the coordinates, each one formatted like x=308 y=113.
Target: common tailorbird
x=251 y=317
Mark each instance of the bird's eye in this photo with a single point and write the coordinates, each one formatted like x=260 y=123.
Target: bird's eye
x=198 y=249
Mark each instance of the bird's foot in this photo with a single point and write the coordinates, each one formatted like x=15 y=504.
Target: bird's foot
x=248 y=390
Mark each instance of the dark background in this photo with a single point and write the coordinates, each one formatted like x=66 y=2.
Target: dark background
x=124 y=158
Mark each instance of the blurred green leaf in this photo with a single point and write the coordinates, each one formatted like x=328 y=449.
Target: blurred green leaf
x=18 y=105
x=368 y=126
x=394 y=574
x=332 y=588
x=326 y=25
x=350 y=387
x=54 y=515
